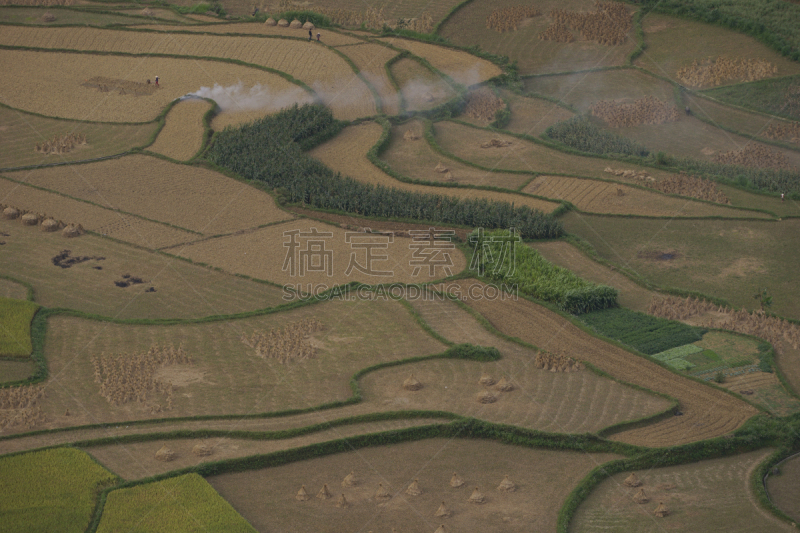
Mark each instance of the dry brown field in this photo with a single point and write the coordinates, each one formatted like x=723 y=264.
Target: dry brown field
x=261 y=254
x=391 y=10
x=595 y=196
x=417 y=160
x=706 y=412
x=783 y=488
x=9 y=289
x=711 y=495
x=226 y=376
x=371 y=59
x=20 y=132
x=189 y=197
x=266 y=498
x=328 y=36
x=182 y=135
x=532 y=116
x=137 y=460
x=764 y=389
x=421 y=88
x=94 y=218
x=346 y=153
x=183 y=290
x=15 y=370
x=320 y=68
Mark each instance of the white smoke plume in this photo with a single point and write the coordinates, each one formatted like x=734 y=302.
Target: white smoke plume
x=237 y=98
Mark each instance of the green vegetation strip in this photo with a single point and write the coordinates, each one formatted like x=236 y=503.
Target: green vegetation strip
x=15 y=327
x=780 y=96
x=582 y=134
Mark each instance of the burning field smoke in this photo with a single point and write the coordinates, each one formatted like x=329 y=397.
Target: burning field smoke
x=238 y=98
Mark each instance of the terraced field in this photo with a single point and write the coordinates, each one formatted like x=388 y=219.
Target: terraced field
x=182 y=135
x=371 y=61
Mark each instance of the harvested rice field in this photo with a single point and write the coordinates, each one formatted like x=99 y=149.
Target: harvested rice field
x=11 y=289
x=531 y=116
x=371 y=60
x=194 y=198
x=764 y=389
x=181 y=138
x=15 y=370
x=420 y=88
x=783 y=488
x=705 y=496
x=328 y=36
x=269 y=498
x=346 y=153
x=322 y=256
x=181 y=290
x=391 y=11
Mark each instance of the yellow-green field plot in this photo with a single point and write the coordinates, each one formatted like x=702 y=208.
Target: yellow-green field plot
x=182 y=135
x=182 y=290
x=189 y=197
x=85 y=84
x=421 y=88
x=227 y=376
x=179 y=504
x=783 y=488
x=704 y=496
x=322 y=257
x=595 y=196
x=673 y=43
x=15 y=333
x=94 y=218
x=266 y=498
x=346 y=153
x=531 y=116
x=467 y=27
x=317 y=66
x=371 y=60
x=64 y=481
x=20 y=132
x=417 y=160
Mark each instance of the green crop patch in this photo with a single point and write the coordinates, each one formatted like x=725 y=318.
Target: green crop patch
x=50 y=490
x=15 y=327
x=175 y=505
x=582 y=134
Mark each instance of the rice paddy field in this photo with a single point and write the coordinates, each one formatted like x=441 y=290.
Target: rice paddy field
x=211 y=321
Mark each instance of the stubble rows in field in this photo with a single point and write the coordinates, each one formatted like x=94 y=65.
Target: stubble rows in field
x=371 y=60
x=531 y=116
x=182 y=135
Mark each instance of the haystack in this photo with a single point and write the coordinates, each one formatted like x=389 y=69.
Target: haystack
x=476 y=497
x=414 y=489
x=641 y=497
x=296 y=24
x=440 y=529
x=50 y=224
x=72 y=230
x=448 y=176
x=165 y=454
x=302 y=495
x=486 y=379
x=48 y=17
x=202 y=450
x=409 y=135
x=507 y=485
x=309 y=26
x=382 y=494
x=661 y=510
x=350 y=480
x=486 y=397
x=504 y=385
x=342 y=502
x=456 y=481
x=411 y=383
x=324 y=493
x=632 y=480
x=270 y=22
x=443 y=511
x=440 y=168
x=29 y=219
x=10 y=213
x=147 y=12
x=283 y=23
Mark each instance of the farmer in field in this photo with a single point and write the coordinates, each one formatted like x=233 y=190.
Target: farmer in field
x=318 y=37
x=310 y=36
x=156 y=81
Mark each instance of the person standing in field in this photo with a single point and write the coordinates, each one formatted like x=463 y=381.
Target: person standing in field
x=156 y=81
x=310 y=36
x=318 y=37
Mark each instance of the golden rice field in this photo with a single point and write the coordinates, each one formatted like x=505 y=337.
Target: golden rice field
x=185 y=196
x=371 y=59
x=346 y=153
x=328 y=36
x=421 y=88
x=531 y=116
x=317 y=66
x=263 y=253
x=182 y=135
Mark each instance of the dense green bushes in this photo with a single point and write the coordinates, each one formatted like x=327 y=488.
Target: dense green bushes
x=581 y=134
x=499 y=258
x=645 y=333
x=270 y=150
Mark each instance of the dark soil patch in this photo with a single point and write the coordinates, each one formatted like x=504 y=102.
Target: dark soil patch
x=128 y=280
x=64 y=259
x=658 y=255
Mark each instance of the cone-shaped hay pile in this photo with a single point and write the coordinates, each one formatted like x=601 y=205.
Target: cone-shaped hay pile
x=409 y=135
x=283 y=23
x=476 y=497
x=414 y=489
x=486 y=379
x=641 y=497
x=270 y=22
x=165 y=454
x=350 y=480
x=440 y=529
x=202 y=450
x=632 y=480
x=9 y=213
x=302 y=495
x=507 y=485
x=342 y=503
x=50 y=224
x=448 y=176
x=443 y=511
x=661 y=510
x=324 y=493
x=440 y=168
x=382 y=494
x=296 y=24
x=72 y=231
x=456 y=481
x=48 y=17
x=412 y=383
x=504 y=385
x=486 y=397
x=29 y=219
x=308 y=26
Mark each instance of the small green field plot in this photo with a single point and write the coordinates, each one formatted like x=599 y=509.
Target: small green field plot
x=678 y=358
x=179 y=504
x=468 y=27
x=530 y=115
x=777 y=97
x=20 y=132
x=784 y=487
x=729 y=259
x=711 y=495
x=420 y=88
x=673 y=43
x=50 y=490
x=15 y=327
